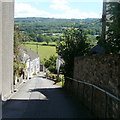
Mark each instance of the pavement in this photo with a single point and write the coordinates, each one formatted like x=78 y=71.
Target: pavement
x=41 y=98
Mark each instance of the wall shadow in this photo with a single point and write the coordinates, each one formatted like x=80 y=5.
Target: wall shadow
x=59 y=104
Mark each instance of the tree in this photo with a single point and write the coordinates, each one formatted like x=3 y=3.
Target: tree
x=50 y=26
x=92 y=40
x=33 y=36
x=74 y=44
x=50 y=63
x=17 y=40
x=25 y=37
x=40 y=38
x=47 y=39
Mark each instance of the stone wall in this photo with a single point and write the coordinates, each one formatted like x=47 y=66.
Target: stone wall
x=104 y=72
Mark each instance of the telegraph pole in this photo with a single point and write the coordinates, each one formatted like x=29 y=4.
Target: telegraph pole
x=37 y=48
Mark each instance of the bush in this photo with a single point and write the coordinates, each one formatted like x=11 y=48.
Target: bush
x=18 y=67
x=34 y=73
x=74 y=44
x=50 y=63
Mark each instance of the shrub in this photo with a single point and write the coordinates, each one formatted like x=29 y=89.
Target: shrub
x=50 y=63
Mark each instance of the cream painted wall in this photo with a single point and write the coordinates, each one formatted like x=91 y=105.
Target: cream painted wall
x=0 y=59
x=7 y=47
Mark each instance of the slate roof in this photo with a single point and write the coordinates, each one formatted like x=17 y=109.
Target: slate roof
x=32 y=54
x=29 y=52
x=97 y=50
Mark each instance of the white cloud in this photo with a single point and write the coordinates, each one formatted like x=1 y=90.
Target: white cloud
x=65 y=0
x=59 y=5
x=70 y=12
x=26 y=10
x=77 y=14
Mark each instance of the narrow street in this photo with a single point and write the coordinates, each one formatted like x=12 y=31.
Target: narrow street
x=40 y=98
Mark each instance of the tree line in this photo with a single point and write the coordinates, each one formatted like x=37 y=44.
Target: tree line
x=51 y=29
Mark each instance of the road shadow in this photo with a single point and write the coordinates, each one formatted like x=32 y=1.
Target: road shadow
x=52 y=103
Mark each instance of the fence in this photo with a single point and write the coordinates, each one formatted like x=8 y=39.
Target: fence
x=99 y=101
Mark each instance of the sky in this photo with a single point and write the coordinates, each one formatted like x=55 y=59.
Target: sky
x=79 y=9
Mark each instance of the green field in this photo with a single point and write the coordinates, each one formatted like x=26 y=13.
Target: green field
x=44 y=51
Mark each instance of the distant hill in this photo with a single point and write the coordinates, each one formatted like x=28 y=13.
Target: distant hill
x=35 y=26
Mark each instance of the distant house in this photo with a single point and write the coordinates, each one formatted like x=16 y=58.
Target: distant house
x=97 y=50
x=32 y=61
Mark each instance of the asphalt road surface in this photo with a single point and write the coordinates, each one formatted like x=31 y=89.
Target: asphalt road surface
x=41 y=98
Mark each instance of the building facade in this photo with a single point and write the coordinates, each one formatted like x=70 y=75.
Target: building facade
x=32 y=61
x=6 y=46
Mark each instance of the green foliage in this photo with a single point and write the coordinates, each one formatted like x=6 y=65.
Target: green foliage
x=17 y=40
x=50 y=63
x=40 y=38
x=74 y=44
x=36 y=28
x=47 y=39
x=92 y=40
x=61 y=81
x=34 y=74
x=18 y=66
x=52 y=76
x=19 y=37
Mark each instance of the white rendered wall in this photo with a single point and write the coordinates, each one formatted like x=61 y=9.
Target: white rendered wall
x=0 y=59
x=7 y=47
